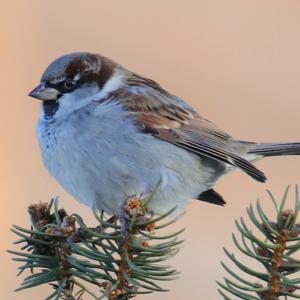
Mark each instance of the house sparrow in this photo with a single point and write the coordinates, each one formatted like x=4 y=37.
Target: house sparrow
x=107 y=133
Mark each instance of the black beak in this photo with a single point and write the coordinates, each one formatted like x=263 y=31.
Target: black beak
x=44 y=93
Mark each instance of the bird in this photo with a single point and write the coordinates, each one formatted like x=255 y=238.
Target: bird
x=107 y=133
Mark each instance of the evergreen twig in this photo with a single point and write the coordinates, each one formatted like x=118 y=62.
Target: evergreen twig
x=122 y=257
x=274 y=251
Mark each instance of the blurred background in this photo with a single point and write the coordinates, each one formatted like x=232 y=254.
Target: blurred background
x=237 y=62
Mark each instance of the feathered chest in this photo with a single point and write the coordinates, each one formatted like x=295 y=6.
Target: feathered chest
x=98 y=131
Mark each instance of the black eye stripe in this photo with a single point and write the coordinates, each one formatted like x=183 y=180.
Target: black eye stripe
x=69 y=83
x=63 y=87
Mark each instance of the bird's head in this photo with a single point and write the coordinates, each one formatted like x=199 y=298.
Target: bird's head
x=73 y=81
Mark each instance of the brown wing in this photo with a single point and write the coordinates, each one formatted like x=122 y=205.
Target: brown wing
x=170 y=119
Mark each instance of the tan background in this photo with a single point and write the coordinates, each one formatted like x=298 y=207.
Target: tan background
x=236 y=61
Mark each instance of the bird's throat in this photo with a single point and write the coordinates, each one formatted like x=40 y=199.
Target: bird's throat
x=50 y=108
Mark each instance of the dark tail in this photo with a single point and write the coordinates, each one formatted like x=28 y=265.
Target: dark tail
x=276 y=149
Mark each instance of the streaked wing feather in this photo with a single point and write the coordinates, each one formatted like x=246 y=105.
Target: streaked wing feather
x=170 y=119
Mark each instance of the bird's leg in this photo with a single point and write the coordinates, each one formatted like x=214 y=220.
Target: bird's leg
x=112 y=219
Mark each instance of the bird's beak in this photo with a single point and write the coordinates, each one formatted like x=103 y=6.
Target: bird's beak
x=44 y=93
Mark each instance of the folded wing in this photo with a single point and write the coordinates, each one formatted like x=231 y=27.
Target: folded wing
x=170 y=119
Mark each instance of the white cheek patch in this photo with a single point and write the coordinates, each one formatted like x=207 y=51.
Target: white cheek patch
x=88 y=93
x=80 y=97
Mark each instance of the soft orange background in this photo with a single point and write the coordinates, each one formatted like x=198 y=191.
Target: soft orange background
x=236 y=61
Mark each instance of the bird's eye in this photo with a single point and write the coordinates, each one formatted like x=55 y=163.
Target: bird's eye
x=69 y=84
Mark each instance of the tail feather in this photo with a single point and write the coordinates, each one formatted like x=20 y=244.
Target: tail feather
x=276 y=149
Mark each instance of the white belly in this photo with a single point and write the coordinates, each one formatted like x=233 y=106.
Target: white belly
x=101 y=160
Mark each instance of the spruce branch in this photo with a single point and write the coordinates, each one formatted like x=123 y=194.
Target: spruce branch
x=274 y=250
x=121 y=257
